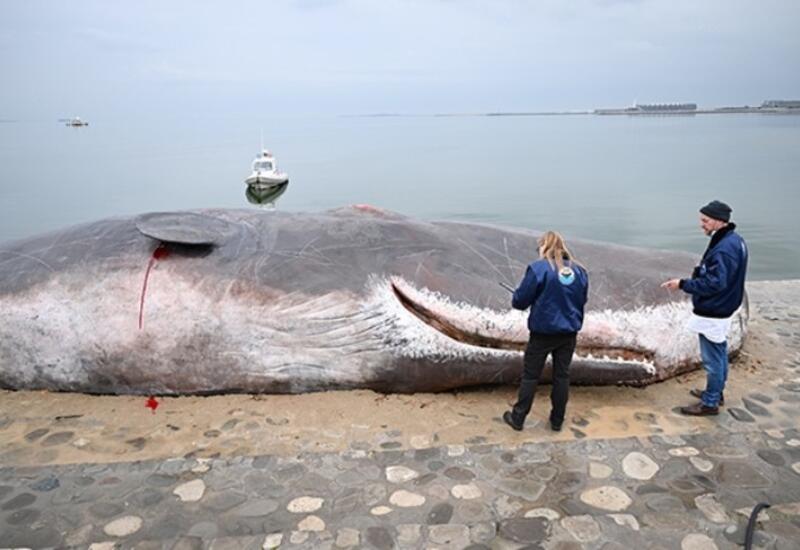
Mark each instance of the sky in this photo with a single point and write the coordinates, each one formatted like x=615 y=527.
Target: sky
x=338 y=57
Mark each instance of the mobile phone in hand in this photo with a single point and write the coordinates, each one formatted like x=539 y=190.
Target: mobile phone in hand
x=507 y=287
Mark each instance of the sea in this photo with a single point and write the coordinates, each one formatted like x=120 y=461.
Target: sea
x=632 y=180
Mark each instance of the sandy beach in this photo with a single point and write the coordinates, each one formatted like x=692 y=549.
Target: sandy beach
x=39 y=428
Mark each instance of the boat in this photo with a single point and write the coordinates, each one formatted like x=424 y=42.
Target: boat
x=77 y=122
x=265 y=172
x=263 y=195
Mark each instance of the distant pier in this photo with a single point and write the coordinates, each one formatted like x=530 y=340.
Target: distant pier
x=772 y=106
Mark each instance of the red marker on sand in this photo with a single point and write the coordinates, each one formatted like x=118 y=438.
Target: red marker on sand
x=152 y=403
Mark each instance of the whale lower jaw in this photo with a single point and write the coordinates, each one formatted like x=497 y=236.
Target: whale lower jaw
x=637 y=347
x=639 y=364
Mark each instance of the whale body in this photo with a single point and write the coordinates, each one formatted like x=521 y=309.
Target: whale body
x=215 y=301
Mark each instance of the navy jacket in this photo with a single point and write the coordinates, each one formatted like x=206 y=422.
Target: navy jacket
x=556 y=299
x=717 y=284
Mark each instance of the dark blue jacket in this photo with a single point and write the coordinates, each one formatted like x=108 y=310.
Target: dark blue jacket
x=556 y=299
x=717 y=284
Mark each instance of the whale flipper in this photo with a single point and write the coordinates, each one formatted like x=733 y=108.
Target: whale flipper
x=185 y=228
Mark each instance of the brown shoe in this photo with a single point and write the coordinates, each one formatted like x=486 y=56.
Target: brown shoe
x=700 y=410
x=698 y=393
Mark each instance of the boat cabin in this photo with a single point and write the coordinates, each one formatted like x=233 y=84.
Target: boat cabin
x=264 y=162
x=263 y=165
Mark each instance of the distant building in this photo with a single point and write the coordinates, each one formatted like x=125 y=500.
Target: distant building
x=666 y=107
x=653 y=108
x=781 y=104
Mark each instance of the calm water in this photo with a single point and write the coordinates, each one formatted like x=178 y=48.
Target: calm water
x=629 y=180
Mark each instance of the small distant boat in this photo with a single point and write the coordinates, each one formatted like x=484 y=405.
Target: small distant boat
x=265 y=171
x=77 y=122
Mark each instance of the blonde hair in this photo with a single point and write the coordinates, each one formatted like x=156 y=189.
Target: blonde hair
x=553 y=249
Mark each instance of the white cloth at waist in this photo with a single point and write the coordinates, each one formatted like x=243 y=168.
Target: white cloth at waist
x=715 y=330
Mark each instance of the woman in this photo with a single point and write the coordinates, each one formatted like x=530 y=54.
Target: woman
x=556 y=288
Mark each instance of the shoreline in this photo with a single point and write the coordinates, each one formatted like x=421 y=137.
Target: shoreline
x=593 y=112
x=364 y=470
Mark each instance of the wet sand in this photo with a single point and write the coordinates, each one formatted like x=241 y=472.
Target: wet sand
x=40 y=428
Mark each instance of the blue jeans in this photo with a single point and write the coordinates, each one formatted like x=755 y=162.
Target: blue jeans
x=715 y=363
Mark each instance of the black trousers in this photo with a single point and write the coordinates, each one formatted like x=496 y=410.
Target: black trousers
x=562 y=346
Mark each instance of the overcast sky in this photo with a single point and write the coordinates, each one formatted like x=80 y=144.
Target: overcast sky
x=400 y=56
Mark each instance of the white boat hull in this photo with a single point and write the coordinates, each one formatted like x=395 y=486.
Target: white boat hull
x=263 y=180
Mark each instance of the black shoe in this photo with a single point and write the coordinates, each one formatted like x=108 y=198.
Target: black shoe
x=698 y=393
x=700 y=410
x=508 y=419
x=555 y=427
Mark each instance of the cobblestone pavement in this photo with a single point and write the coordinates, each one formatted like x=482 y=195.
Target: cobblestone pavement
x=690 y=491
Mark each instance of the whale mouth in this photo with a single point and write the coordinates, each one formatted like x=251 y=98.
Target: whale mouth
x=489 y=335
x=450 y=328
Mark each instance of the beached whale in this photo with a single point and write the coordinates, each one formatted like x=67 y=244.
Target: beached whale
x=251 y=301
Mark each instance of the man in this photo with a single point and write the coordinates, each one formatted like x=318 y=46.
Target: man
x=717 y=289
x=555 y=287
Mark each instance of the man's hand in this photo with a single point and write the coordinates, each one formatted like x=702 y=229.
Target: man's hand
x=672 y=284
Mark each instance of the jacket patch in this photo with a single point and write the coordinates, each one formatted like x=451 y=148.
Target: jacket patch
x=566 y=276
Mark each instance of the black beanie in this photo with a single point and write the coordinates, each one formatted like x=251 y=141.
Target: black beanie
x=717 y=210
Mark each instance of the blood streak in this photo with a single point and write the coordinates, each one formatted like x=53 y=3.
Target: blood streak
x=159 y=253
